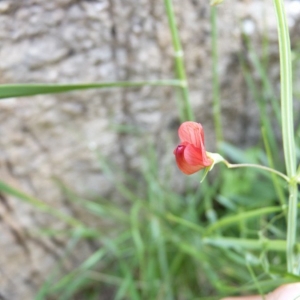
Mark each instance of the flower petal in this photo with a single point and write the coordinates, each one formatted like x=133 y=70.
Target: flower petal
x=192 y=133
x=196 y=156
x=182 y=164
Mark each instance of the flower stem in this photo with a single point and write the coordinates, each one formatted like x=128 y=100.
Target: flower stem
x=233 y=166
x=288 y=132
x=185 y=107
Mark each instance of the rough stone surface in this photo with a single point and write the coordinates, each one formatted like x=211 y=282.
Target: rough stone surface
x=56 y=135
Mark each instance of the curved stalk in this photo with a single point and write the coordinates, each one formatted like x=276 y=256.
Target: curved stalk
x=232 y=166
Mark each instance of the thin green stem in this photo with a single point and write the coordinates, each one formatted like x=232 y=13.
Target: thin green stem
x=293 y=263
x=216 y=85
x=187 y=113
x=277 y=186
x=237 y=217
x=286 y=90
x=249 y=244
x=253 y=276
x=233 y=166
x=288 y=131
x=268 y=92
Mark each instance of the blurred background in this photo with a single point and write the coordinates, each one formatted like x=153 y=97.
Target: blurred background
x=104 y=157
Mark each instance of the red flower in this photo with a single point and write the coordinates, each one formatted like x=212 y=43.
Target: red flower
x=190 y=153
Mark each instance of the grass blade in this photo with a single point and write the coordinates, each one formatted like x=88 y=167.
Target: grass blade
x=21 y=90
x=7 y=189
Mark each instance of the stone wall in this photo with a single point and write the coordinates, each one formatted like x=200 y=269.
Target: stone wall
x=56 y=135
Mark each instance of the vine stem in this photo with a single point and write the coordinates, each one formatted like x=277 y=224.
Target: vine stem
x=288 y=132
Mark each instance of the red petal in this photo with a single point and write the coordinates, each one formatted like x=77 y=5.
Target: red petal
x=196 y=156
x=182 y=164
x=192 y=133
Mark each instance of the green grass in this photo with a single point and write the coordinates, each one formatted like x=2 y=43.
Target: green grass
x=164 y=245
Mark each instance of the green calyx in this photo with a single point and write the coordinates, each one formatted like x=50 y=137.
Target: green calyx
x=216 y=158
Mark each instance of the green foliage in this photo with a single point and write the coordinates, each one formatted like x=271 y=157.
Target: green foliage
x=164 y=245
